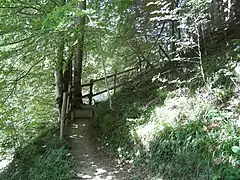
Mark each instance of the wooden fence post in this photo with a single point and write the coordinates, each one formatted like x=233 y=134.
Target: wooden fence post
x=91 y=92
x=115 y=81
x=68 y=103
x=63 y=114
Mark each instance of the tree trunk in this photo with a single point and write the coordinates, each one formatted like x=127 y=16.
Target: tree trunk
x=78 y=65
x=59 y=78
x=63 y=115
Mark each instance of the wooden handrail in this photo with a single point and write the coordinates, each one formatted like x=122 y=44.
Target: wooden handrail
x=113 y=75
x=90 y=95
x=111 y=88
x=102 y=78
x=69 y=98
x=85 y=85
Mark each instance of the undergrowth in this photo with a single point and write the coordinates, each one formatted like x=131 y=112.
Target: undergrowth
x=44 y=158
x=127 y=113
x=180 y=134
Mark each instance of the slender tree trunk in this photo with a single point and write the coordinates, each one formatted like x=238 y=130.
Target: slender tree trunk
x=199 y=52
x=63 y=114
x=59 y=78
x=203 y=39
x=67 y=73
x=174 y=29
x=215 y=13
x=78 y=65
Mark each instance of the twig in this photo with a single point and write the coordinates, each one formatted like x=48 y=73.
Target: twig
x=30 y=6
x=16 y=42
x=29 y=70
x=235 y=83
x=164 y=52
x=11 y=92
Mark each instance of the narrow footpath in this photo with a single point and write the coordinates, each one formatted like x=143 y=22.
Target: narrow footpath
x=91 y=160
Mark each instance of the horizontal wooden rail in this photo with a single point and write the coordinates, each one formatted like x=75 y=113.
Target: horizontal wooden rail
x=69 y=98
x=90 y=95
x=111 y=88
x=85 y=85
x=113 y=75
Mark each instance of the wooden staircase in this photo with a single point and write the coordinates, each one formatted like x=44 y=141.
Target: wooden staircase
x=66 y=113
x=87 y=112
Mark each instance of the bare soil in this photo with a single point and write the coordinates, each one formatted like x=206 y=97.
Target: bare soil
x=92 y=161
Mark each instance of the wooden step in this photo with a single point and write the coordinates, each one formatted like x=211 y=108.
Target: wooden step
x=86 y=107
x=84 y=114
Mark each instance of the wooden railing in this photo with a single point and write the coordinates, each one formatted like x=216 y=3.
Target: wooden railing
x=67 y=110
x=113 y=86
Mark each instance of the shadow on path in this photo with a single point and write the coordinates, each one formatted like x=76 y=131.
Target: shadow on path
x=91 y=162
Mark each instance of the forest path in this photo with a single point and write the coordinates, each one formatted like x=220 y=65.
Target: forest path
x=91 y=160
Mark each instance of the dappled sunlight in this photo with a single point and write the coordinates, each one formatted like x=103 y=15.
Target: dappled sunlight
x=146 y=132
x=124 y=90
x=168 y=114
x=172 y=110
x=4 y=163
x=74 y=125
x=178 y=108
x=76 y=136
x=89 y=158
x=97 y=169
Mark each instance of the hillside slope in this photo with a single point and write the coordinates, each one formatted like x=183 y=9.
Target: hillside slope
x=179 y=129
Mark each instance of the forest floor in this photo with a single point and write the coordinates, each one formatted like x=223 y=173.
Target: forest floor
x=92 y=160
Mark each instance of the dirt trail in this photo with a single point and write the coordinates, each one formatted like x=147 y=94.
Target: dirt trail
x=91 y=162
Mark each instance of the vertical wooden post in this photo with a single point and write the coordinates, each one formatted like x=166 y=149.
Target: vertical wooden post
x=63 y=114
x=72 y=115
x=115 y=81
x=68 y=103
x=91 y=92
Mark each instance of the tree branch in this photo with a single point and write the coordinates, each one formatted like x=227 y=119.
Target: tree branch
x=23 y=75
x=28 y=71
x=164 y=52
x=11 y=92
x=16 y=42
x=30 y=6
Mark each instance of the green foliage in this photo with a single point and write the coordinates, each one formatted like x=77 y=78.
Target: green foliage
x=165 y=34
x=181 y=137
x=221 y=65
x=43 y=158
x=28 y=110
x=197 y=150
x=129 y=112
x=224 y=95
